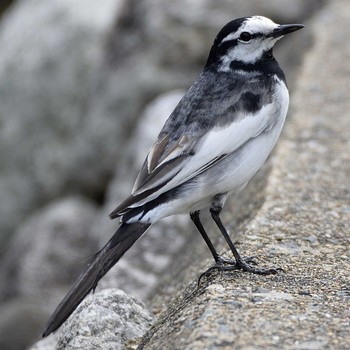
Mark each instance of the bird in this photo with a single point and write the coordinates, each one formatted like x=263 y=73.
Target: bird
x=213 y=143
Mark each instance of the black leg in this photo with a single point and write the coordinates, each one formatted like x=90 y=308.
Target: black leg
x=241 y=264
x=220 y=261
x=195 y=218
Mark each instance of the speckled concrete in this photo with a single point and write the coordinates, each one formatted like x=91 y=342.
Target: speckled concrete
x=302 y=225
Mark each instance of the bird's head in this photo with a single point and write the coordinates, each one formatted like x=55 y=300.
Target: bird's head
x=247 y=40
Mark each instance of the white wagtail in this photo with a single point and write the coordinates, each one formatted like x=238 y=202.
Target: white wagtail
x=214 y=142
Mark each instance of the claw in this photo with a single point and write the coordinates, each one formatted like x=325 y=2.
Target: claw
x=225 y=264
x=243 y=265
x=219 y=266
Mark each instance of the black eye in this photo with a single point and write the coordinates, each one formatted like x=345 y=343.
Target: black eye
x=245 y=36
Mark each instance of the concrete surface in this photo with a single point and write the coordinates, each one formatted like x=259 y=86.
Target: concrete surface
x=302 y=225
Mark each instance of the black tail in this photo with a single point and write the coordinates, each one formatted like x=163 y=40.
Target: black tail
x=103 y=261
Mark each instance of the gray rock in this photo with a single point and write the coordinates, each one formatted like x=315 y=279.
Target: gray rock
x=20 y=322
x=40 y=265
x=48 y=251
x=106 y=320
x=48 y=343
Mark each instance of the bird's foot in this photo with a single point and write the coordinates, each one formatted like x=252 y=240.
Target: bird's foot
x=245 y=264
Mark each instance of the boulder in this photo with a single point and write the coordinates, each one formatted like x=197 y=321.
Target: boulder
x=48 y=251
x=106 y=320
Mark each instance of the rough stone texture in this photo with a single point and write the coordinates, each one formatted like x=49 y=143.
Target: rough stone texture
x=303 y=226
x=105 y=320
x=48 y=343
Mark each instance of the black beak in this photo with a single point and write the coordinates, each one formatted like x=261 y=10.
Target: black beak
x=284 y=29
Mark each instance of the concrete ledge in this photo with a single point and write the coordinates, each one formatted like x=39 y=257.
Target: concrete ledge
x=303 y=226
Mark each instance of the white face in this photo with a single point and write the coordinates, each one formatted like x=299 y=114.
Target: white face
x=250 y=51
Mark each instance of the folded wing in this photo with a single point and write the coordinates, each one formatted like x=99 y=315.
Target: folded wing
x=180 y=154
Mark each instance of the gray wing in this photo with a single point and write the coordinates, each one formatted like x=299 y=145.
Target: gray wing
x=212 y=120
